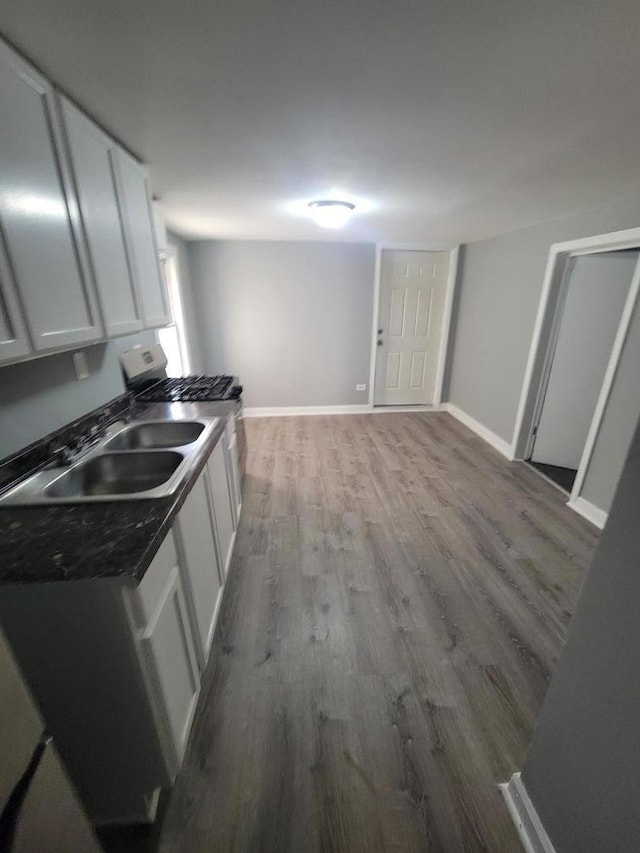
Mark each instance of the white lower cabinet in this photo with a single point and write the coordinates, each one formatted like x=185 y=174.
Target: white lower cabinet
x=167 y=649
x=233 y=470
x=199 y=560
x=221 y=504
x=115 y=666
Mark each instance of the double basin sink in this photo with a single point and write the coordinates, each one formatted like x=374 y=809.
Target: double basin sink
x=144 y=459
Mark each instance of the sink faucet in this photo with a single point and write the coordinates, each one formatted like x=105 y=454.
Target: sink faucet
x=67 y=454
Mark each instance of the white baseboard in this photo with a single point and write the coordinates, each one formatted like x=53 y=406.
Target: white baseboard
x=364 y=409
x=290 y=411
x=525 y=817
x=386 y=410
x=591 y=512
x=502 y=446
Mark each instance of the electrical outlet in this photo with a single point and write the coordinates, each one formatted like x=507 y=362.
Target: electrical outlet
x=81 y=365
x=361 y=387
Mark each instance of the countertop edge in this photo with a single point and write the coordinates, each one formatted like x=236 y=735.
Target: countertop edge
x=179 y=497
x=72 y=542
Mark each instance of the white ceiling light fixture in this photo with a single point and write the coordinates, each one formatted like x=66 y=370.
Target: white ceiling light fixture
x=331 y=213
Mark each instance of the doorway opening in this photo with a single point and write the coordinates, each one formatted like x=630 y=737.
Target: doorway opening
x=592 y=298
x=579 y=400
x=563 y=477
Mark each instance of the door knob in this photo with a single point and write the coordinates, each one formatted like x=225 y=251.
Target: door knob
x=379 y=342
x=380 y=331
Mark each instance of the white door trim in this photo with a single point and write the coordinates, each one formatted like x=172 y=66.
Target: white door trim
x=452 y=273
x=607 y=382
x=452 y=277
x=540 y=353
x=598 y=517
x=563 y=272
x=523 y=813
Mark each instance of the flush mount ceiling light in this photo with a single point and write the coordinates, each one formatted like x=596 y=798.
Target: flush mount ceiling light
x=330 y=213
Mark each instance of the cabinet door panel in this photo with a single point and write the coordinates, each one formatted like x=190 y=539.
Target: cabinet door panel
x=38 y=213
x=222 y=505
x=168 y=642
x=233 y=472
x=14 y=340
x=135 y=204
x=198 y=550
x=95 y=184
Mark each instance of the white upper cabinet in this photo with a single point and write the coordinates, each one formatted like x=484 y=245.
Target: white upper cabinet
x=39 y=215
x=135 y=202
x=14 y=340
x=91 y=153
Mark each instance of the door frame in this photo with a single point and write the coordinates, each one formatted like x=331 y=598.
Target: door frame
x=542 y=348
x=447 y=313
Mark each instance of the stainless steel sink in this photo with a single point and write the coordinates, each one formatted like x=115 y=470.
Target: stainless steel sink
x=143 y=459
x=116 y=474
x=155 y=434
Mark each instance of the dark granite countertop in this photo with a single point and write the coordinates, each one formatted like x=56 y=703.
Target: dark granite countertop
x=98 y=540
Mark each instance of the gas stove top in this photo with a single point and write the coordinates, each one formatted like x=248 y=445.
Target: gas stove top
x=194 y=388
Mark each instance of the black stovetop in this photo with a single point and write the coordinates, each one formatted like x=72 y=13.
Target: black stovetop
x=191 y=388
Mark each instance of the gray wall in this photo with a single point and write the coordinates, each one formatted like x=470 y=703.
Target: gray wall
x=42 y=395
x=292 y=320
x=618 y=423
x=582 y=770
x=499 y=293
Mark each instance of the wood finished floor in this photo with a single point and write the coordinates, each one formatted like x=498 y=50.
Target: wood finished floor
x=397 y=601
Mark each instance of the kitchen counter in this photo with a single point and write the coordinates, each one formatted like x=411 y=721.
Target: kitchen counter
x=104 y=539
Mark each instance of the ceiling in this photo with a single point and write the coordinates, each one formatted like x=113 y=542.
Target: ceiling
x=446 y=121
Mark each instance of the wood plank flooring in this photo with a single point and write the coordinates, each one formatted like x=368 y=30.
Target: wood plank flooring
x=397 y=601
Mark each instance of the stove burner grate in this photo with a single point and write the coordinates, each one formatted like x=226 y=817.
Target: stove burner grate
x=191 y=389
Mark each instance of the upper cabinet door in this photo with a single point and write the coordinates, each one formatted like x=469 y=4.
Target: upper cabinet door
x=135 y=204
x=95 y=184
x=39 y=215
x=14 y=340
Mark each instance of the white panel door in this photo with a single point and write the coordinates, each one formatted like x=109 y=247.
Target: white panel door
x=95 y=183
x=200 y=563
x=222 y=504
x=412 y=295
x=14 y=339
x=595 y=295
x=39 y=214
x=135 y=203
